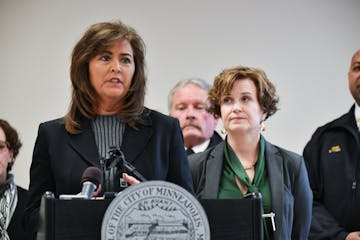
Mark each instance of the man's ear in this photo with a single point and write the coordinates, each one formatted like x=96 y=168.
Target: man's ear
x=11 y=156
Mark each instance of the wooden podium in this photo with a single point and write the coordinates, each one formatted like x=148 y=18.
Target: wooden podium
x=231 y=219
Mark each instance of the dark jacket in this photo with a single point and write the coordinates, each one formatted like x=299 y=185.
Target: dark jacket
x=59 y=159
x=332 y=158
x=215 y=140
x=16 y=228
x=290 y=191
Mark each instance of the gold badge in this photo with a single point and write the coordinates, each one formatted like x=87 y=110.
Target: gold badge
x=334 y=149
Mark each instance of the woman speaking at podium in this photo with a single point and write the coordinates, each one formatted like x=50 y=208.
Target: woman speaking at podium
x=106 y=111
x=245 y=162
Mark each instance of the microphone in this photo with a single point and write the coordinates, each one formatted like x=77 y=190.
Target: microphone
x=90 y=180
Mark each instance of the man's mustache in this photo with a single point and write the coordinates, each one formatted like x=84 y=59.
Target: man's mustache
x=191 y=124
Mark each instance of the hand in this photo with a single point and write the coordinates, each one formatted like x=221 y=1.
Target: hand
x=95 y=193
x=130 y=180
x=353 y=236
x=98 y=190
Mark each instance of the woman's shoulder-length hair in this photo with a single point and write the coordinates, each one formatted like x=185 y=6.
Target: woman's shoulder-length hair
x=84 y=99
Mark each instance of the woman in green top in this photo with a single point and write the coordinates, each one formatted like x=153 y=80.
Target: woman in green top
x=245 y=162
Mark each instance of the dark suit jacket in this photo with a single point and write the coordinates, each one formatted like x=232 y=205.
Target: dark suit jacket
x=16 y=228
x=59 y=159
x=290 y=190
x=215 y=140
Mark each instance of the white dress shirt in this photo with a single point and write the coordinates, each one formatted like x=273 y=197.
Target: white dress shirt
x=201 y=147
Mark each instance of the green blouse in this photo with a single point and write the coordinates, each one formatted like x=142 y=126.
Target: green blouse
x=233 y=167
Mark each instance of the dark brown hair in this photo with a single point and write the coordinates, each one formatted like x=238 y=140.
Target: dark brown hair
x=223 y=83
x=84 y=99
x=12 y=139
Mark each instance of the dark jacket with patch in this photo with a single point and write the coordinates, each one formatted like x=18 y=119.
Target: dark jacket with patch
x=332 y=159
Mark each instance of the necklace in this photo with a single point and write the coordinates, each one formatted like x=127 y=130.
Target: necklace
x=248 y=168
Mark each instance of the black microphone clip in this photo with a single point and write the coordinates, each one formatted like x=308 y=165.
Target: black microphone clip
x=113 y=168
x=125 y=165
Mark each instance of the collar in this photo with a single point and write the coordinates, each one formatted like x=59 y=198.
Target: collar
x=5 y=185
x=201 y=147
x=357 y=115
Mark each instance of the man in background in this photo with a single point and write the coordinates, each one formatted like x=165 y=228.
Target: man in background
x=188 y=101
x=12 y=197
x=332 y=158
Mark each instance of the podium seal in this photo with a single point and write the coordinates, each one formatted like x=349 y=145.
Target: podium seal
x=155 y=210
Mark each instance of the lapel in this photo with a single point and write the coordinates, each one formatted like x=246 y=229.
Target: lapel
x=348 y=122
x=84 y=144
x=214 y=140
x=214 y=167
x=135 y=141
x=274 y=165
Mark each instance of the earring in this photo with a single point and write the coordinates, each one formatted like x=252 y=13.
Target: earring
x=262 y=126
x=223 y=131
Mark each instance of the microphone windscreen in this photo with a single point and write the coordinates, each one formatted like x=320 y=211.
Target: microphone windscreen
x=92 y=174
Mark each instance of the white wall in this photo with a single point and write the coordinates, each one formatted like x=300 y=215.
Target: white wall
x=303 y=46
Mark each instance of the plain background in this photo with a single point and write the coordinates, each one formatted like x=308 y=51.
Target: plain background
x=304 y=47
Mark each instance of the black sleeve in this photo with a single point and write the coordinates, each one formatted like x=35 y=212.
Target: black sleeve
x=323 y=224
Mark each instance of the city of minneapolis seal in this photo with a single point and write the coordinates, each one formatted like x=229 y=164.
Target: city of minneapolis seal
x=155 y=210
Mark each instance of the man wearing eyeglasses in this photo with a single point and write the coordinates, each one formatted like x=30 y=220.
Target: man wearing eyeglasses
x=12 y=197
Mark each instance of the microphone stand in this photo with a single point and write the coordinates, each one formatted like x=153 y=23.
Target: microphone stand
x=127 y=167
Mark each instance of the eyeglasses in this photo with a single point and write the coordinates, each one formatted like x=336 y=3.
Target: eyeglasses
x=3 y=145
